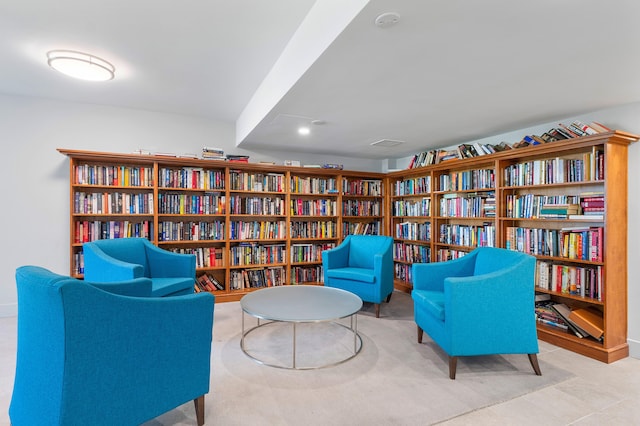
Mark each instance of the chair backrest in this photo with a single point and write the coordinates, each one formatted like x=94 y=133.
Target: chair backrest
x=130 y=250
x=362 y=249
x=491 y=259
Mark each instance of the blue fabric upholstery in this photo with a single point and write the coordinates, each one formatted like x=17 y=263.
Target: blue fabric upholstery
x=87 y=356
x=362 y=264
x=479 y=304
x=121 y=259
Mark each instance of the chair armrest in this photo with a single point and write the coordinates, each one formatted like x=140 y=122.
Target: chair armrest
x=100 y=267
x=337 y=257
x=139 y=287
x=166 y=264
x=431 y=276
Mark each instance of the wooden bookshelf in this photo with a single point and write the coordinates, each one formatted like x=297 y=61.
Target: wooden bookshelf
x=455 y=231
x=239 y=219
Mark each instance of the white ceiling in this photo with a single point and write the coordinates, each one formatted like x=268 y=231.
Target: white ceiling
x=447 y=72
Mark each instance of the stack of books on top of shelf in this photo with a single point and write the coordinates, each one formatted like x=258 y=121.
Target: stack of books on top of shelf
x=209 y=153
x=475 y=149
x=238 y=158
x=558 y=211
x=592 y=206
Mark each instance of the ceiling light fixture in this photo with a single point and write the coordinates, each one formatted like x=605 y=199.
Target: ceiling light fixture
x=304 y=130
x=80 y=65
x=387 y=19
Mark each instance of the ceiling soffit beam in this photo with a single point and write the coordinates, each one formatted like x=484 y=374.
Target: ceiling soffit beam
x=322 y=25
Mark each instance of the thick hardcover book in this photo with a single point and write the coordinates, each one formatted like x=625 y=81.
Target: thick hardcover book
x=589 y=320
x=564 y=311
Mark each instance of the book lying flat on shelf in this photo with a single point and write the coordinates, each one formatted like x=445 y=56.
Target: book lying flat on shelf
x=589 y=320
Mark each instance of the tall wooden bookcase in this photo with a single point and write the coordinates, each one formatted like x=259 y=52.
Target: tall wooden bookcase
x=284 y=217
x=243 y=221
x=464 y=204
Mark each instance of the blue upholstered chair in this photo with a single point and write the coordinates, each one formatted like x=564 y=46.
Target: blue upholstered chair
x=87 y=356
x=121 y=259
x=361 y=264
x=479 y=304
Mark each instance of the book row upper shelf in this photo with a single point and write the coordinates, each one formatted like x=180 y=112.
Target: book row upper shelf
x=476 y=149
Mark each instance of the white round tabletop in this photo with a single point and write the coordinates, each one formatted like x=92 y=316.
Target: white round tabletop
x=300 y=303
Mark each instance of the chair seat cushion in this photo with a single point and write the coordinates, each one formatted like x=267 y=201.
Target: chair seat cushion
x=166 y=286
x=431 y=301
x=353 y=274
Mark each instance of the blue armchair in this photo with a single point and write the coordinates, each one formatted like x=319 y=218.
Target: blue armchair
x=479 y=304
x=120 y=259
x=90 y=357
x=362 y=264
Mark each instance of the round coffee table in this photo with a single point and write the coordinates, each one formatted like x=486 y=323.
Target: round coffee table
x=301 y=304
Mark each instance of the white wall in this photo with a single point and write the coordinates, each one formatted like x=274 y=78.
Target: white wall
x=35 y=211
x=625 y=118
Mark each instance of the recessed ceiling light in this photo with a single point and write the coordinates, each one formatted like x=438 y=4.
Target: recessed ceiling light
x=304 y=130
x=80 y=65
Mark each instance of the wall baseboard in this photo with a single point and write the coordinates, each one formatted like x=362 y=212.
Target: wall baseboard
x=634 y=348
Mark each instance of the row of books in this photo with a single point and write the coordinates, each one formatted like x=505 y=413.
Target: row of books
x=403 y=272
x=91 y=230
x=413 y=186
x=257 y=278
x=191 y=231
x=314 y=229
x=171 y=203
x=361 y=228
x=364 y=187
x=580 y=243
x=467 y=235
x=361 y=208
x=476 y=149
x=257 y=205
x=468 y=180
x=307 y=274
x=112 y=203
x=583 y=322
x=257 y=254
x=318 y=207
x=583 y=281
x=413 y=231
x=313 y=185
x=444 y=254
x=207 y=283
x=258 y=182
x=468 y=205
x=590 y=167
x=191 y=178
x=257 y=230
x=414 y=253
x=134 y=176
x=412 y=207
x=301 y=253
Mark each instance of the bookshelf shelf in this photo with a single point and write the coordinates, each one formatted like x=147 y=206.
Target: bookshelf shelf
x=594 y=166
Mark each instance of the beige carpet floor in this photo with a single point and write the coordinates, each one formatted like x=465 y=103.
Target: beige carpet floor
x=392 y=381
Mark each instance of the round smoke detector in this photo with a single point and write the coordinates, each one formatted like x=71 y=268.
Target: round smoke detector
x=387 y=19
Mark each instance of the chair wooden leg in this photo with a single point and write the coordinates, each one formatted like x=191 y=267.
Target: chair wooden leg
x=533 y=359
x=453 y=362
x=420 y=333
x=377 y=310
x=199 y=404
x=389 y=297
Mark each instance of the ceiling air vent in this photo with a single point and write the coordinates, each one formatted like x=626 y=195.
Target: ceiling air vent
x=386 y=143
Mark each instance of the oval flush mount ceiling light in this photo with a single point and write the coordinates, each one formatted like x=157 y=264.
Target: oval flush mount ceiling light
x=80 y=65
x=387 y=19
